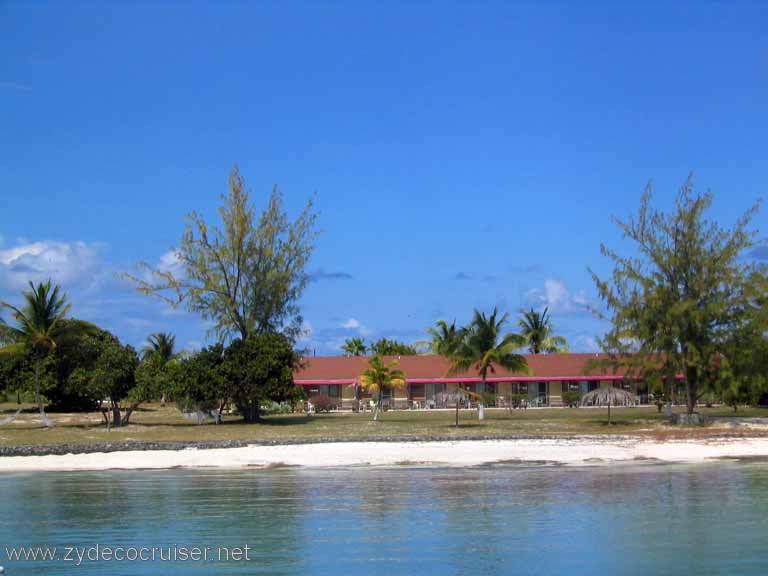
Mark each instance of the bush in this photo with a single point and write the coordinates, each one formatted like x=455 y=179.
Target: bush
x=571 y=399
x=296 y=398
x=518 y=400
x=323 y=403
x=488 y=398
x=272 y=407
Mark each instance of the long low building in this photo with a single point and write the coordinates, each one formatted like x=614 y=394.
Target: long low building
x=428 y=376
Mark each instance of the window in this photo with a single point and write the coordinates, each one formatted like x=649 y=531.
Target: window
x=418 y=391
x=330 y=390
x=519 y=387
x=570 y=386
x=433 y=389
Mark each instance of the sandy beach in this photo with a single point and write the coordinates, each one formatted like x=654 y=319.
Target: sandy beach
x=583 y=451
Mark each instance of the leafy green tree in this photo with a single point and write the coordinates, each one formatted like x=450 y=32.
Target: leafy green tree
x=200 y=383
x=39 y=328
x=114 y=378
x=677 y=298
x=246 y=277
x=354 y=347
x=445 y=339
x=537 y=332
x=484 y=346
x=387 y=347
x=260 y=369
x=743 y=367
x=17 y=374
x=379 y=377
x=71 y=366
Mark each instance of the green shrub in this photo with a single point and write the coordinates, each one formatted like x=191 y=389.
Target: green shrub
x=571 y=399
x=323 y=403
x=488 y=398
x=272 y=407
x=518 y=400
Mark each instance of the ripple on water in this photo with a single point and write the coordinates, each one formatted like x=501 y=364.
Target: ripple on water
x=513 y=517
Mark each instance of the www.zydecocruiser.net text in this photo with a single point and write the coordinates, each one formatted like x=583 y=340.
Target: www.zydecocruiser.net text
x=78 y=555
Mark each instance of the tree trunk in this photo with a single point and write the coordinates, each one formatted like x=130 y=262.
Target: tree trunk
x=480 y=406
x=38 y=397
x=117 y=419
x=252 y=414
x=378 y=404
x=691 y=389
x=128 y=412
x=609 y=412
x=457 y=412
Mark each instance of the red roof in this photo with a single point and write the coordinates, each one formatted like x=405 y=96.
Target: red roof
x=347 y=369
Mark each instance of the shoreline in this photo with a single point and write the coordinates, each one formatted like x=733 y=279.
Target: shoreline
x=573 y=451
x=64 y=448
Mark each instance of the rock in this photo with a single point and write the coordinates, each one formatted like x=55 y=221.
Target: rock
x=685 y=419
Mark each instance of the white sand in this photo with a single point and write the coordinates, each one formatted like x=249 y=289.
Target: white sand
x=580 y=451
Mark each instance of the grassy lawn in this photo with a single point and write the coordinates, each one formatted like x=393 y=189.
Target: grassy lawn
x=155 y=423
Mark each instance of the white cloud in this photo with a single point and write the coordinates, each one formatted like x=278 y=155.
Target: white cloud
x=355 y=324
x=586 y=344
x=556 y=296
x=136 y=322
x=66 y=263
x=306 y=331
x=170 y=262
x=194 y=345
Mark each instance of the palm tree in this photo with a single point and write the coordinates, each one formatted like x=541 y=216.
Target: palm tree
x=445 y=338
x=484 y=347
x=160 y=348
x=354 y=347
x=379 y=376
x=39 y=328
x=536 y=329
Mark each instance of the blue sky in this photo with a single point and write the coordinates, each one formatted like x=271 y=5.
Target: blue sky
x=463 y=155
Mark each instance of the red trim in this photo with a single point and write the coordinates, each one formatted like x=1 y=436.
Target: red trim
x=610 y=377
x=318 y=382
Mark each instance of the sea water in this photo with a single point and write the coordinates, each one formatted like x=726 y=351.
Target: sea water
x=514 y=519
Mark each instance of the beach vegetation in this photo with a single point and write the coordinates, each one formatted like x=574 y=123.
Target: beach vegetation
x=680 y=294
x=354 y=347
x=392 y=347
x=39 y=328
x=246 y=276
x=259 y=369
x=198 y=383
x=380 y=377
x=322 y=403
x=571 y=399
x=114 y=380
x=444 y=339
x=484 y=345
x=538 y=333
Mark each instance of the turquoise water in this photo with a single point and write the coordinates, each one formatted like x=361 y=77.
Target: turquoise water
x=652 y=519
